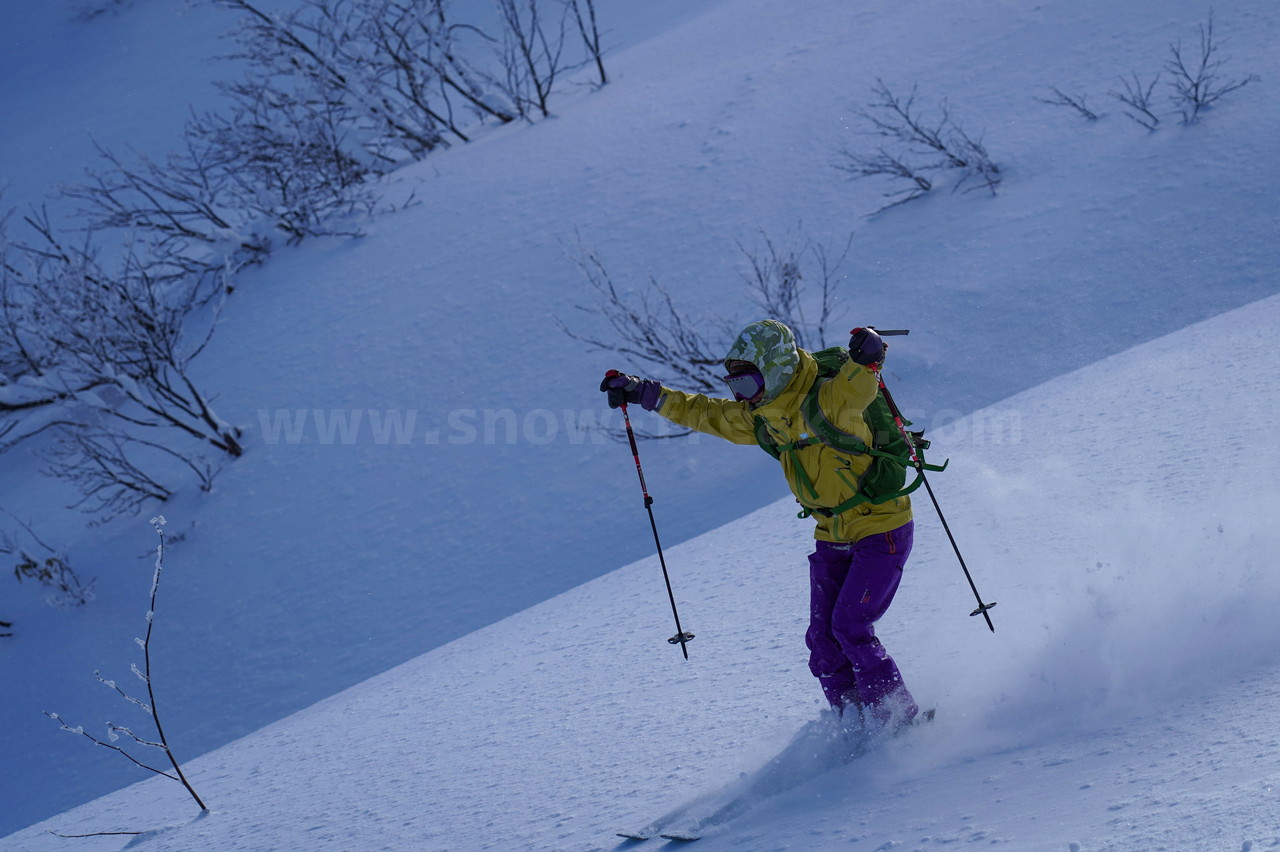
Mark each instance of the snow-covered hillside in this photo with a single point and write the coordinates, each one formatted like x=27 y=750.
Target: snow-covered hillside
x=317 y=563
x=1121 y=704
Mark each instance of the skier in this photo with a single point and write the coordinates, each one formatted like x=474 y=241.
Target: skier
x=861 y=546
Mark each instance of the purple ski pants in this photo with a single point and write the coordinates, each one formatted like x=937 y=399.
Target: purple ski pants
x=851 y=587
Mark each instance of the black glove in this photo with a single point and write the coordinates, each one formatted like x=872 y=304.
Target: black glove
x=622 y=388
x=866 y=347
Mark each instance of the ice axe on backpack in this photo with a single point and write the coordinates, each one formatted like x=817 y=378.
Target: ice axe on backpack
x=681 y=638
x=918 y=461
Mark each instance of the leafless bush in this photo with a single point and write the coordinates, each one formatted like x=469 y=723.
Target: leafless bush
x=123 y=330
x=50 y=567
x=649 y=329
x=147 y=705
x=533 y=54
x=776 y=284
x=320 y=54
x=1075 y=102
x=181 y=208
x=921 y=145
x=259 y=168
x=97 y=461
x=407 y=76
x=283 y=165
x=884 y=164
x=422 y=56
x=665 y=342
x=85 y=10
x=1137 y=97
x=101 y=357
x=584 y=12
x=1197 y=80
x=95 y=345
x=118 y=472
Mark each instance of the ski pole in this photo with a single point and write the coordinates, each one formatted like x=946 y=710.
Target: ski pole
x=916 y=460
x=681 y=638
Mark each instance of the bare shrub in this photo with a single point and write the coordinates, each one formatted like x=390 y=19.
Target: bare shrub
x=584 y=13
x=662 y=340
x=1137 y=97
x=1079 y=102
x=883 y=164
x=405 y=74
x=1197 y=79
x=920 y=145
x=776 y=284
x=649 y=329
x=321 y=53
x=46 y=565
x=147 y=705
x=101 y=357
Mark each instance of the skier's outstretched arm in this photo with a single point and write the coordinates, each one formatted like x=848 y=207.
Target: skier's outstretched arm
x=723 y=418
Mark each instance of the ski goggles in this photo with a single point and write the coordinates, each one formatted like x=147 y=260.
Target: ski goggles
x=746 y=384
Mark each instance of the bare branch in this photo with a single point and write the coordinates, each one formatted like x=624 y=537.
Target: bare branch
x=82 y=732
x=776 y=284
x=53 y=569
x=1076 y=102
x=149 y=706
x=590 y=32
x=1137 y=97
x=648 y=326
x=1197 y=83
x=884 y=164
x=532 y=57
x=920 y=146
x=650 y=329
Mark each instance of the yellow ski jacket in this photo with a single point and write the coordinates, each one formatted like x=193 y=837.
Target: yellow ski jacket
x=829 y=477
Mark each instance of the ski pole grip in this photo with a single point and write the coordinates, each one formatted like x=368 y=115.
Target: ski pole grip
x=609 y=374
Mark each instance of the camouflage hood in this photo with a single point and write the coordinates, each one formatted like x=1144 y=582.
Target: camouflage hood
x=771 y=346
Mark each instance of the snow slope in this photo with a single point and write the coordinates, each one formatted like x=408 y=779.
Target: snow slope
x=318 y=563
x=1123 y=702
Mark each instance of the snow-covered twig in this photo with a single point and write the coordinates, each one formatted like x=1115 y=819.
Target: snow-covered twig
x=149 y=706
x=78 y=729
x=112 y=685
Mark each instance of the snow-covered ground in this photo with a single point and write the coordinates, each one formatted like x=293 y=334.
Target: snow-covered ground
x=316 y=564
x=1122 y=703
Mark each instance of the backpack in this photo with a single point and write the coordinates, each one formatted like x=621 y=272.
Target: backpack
x=885 y=479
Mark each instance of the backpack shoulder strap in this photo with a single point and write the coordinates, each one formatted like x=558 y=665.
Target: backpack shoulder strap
x=765 y=440
x=822 y=427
